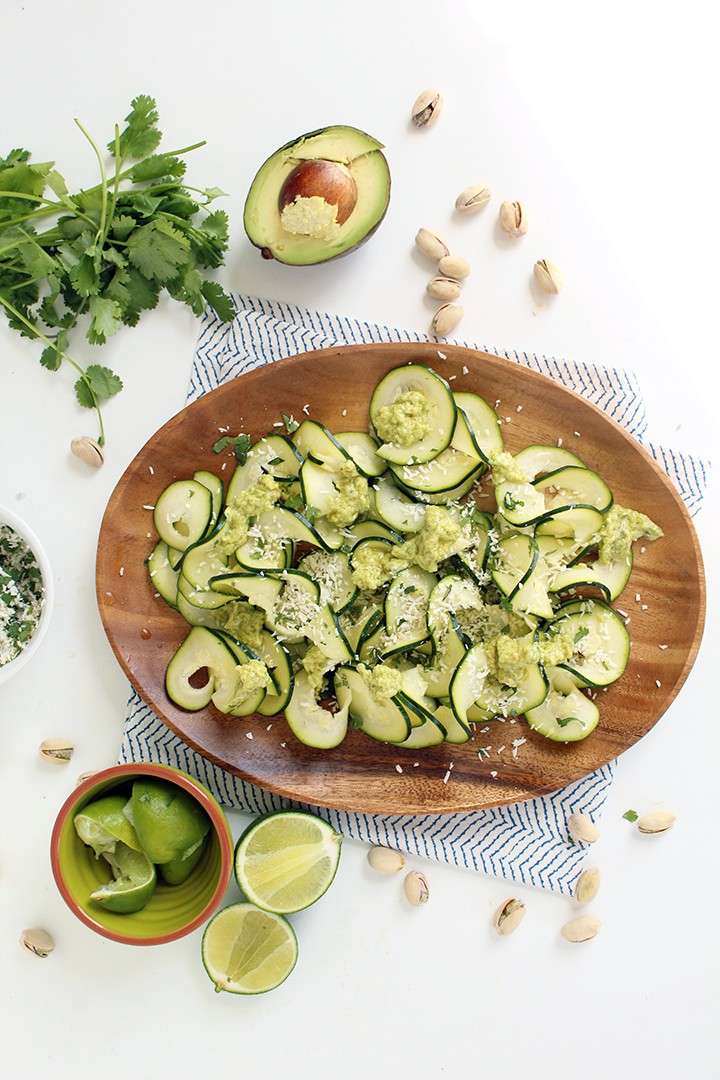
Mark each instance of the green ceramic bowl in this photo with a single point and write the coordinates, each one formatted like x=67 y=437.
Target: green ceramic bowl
x=173 y=911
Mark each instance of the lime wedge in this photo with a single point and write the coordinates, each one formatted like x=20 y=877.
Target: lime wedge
x=248 y=951
x=102 y=823
x=134 y=881
x=284 y=862
x=167 y=820
x=179 y=869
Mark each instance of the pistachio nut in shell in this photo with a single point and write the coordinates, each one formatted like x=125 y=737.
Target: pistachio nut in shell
x=587 y=885
x=581 y=929
x=453 y=266
x=509 y=916
x=657 y=821
x=513 y=218
x=472 y=199
x=431 y=245
x=37 y=941
x=416 y=888
x=548 y=276
x=57 y=750
x=385 y=860
x=444 y=288
x=87 y=450
x=446 y=319
x=426 y=108
x=581 y=829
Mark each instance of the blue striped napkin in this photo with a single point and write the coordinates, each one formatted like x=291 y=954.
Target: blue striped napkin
x=526 y=842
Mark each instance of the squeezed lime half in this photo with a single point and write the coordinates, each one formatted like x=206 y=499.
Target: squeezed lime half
x=133 y=883
x=168 y=821
x=102 y=823
x=286 y=861
x=248 y=951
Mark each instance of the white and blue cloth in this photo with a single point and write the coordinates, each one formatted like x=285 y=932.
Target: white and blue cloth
x=525 y=842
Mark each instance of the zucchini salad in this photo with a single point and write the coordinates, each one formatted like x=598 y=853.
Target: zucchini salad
x=351 y=580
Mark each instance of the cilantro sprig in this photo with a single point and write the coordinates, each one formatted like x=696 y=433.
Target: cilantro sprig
x=110 y=250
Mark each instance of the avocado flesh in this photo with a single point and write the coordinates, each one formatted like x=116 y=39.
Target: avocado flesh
x=363 y=157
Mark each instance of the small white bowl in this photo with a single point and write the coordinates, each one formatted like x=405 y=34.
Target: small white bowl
x=7 y=517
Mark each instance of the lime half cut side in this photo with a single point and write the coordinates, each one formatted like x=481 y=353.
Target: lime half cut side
x=248 y=951
x=133 y=883
x=103 y=822
x=286 y=861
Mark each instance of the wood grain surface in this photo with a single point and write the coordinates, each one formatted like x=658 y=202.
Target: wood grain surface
x=361 y=774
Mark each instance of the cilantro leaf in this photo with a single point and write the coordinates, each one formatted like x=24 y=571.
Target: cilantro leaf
x=581 y=633
x=222 y=304
x=15 y=157
x=141 y=136
x=240 y=443
x=631 y=815
x=51 y=357
x=56 y=183
x=290 y=423
x=105 y=320
x=152 y=168
x=83 y=276
x=122 y=226
x=158 y=250
x=104 y=382
x=563 y=721
x=217 y=225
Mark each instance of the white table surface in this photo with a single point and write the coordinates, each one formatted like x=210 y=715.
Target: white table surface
x=600 y=118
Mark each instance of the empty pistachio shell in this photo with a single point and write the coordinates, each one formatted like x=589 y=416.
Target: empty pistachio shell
x=58 y=750
x=509 y=916
x=581 y=929
x=453 y=266
x=587 y=885
x=582 y=829
x=658 y=821
x=37 y=941
x=426 y=108
x=83 y=777
x=431 y=245
x=446 y=319
x=443 y=288
x=88 y=451
x=386 y=860
x=472 y=199
x=416 y=888
x=513 y=218
x=548 y=276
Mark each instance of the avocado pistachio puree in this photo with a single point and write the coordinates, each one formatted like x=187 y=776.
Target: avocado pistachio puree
x=358 y=580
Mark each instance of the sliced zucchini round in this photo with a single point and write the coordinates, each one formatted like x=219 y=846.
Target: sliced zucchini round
x=540 y=460
x=429 y=732
x=225 y=696
x=203 y=562
x=313 y=440
x=574 y=485
x=442 y=412
x=362 y=448
x=514 y=560
x=442 y=498
x=397 y=509
x=565 y=715
x=609 y=578
x=162 y=576
x=332 y=572
x=182 y=513
x=370 y=529
x=446 y=472
x=406 y=610
x=520 y=503
x=468 y=681
x=273 y=454
x=197 y=616
x=309 y=722
x=259 y=552
x=200 y=649
x=482 y=421
x=201 y=598
x=381 y=719
x=217 y=493
x=455 y=732
x=602 y=641
x=580 y=523
x=278 y=662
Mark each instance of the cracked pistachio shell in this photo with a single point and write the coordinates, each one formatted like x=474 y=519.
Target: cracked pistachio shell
x=38 y=941
x=453 y=266
x=513 y=218
x=88 y=451
x=446 y=319
x=416 y=888
x=581 y=829
x=509 y=916
x=426 y=108
x=431 y=245
x=587 y=885
x=444 y=288
x=548 y=276
x=57 y=750
x=385 y=860
x=581 y=929
x=472 y=199
x=657 y=821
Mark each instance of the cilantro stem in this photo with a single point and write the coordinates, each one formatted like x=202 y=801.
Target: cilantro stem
x=73 y=363
x=103 y=185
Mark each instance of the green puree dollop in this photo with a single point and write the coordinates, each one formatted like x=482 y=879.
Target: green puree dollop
x=21 y=594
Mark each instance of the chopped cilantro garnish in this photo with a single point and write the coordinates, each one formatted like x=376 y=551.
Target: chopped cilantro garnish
x=241 y=444
x=631 y=815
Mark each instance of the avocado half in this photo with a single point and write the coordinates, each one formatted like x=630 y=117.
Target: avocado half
x=318 y=197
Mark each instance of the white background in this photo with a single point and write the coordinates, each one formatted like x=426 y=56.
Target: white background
x=600 y=117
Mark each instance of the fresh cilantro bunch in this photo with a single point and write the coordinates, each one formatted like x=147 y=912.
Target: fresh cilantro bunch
x=111 y=249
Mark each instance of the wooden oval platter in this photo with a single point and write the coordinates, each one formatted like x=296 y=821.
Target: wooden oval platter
x=334 y=385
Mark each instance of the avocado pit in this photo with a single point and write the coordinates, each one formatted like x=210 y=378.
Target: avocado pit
x=317 y=197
